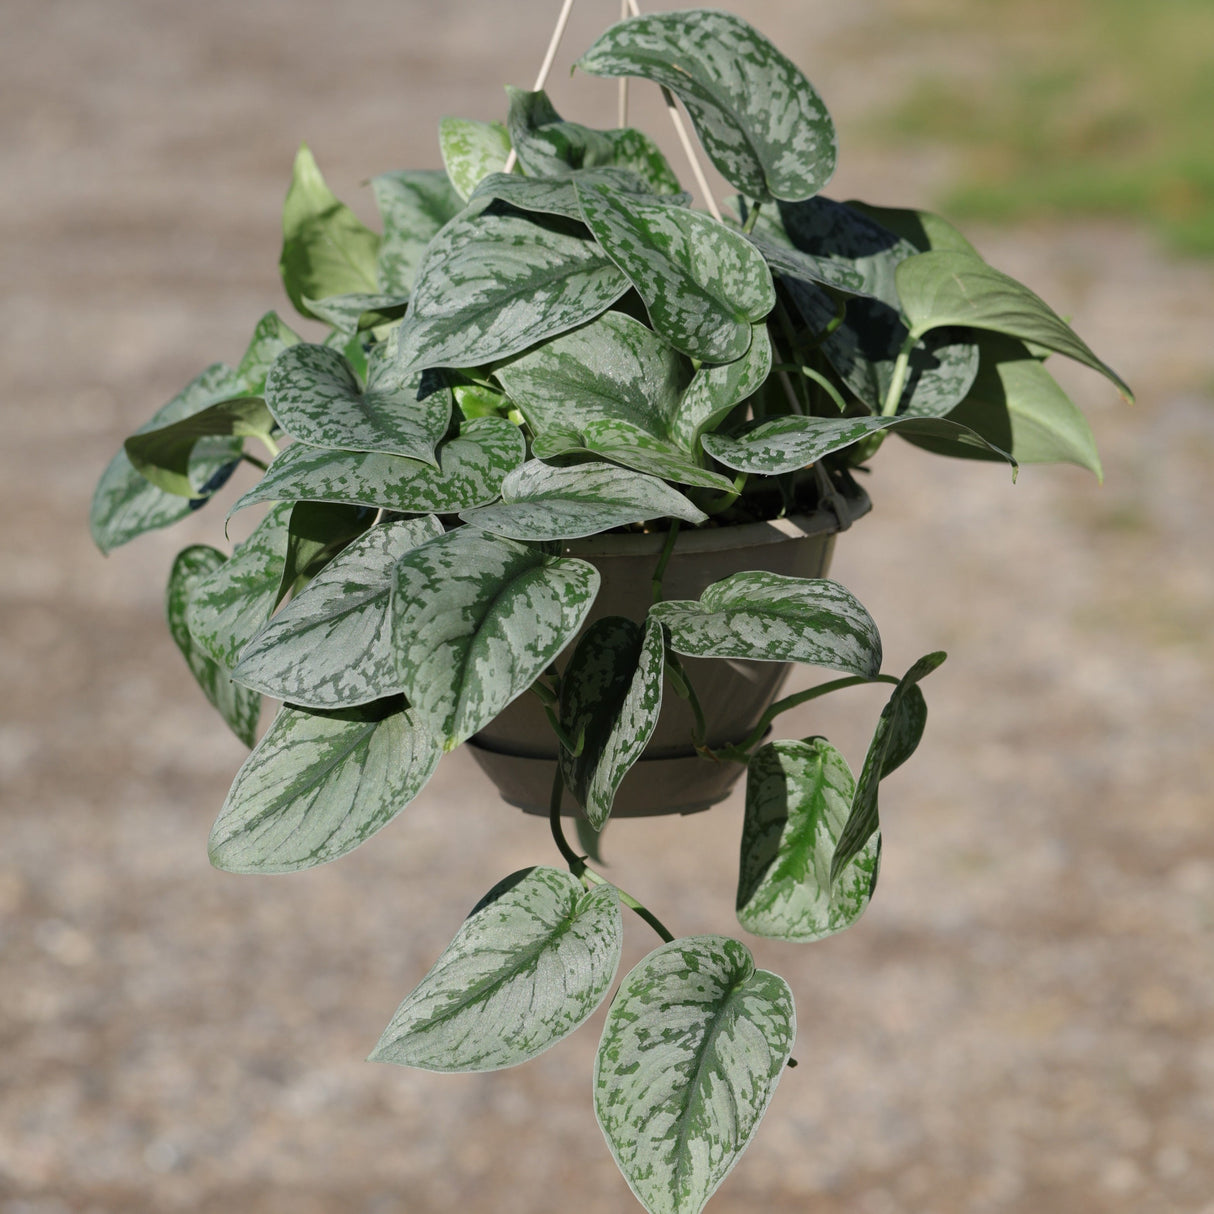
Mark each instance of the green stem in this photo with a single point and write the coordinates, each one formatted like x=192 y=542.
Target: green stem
x=667 y=551
x=270 y=445
x=817 y=377
x=752 y=217
x=726 y=500
x=252 y=459
x=577 y=864
x=684 y=690
x=629 y=901
x=893 y=398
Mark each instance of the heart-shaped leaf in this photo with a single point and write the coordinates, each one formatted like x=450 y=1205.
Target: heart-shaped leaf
x=951 y=288
x=770 y=617
x=541 y=502
x=475 y=619
x=331 y=646
x=230 y=605
x=316 y=397
x=715 y=390
x=126 y=504
x=798 y=796
x=611 y=695
x=471 y=150
x=558 y=195
x=319 y=784
x=316 y=533
x=349 y=314
x=492 y=284
x=326 y=250
x=271 y=337
x=165 y=455
x=413 y=205
x=238 y=706
x=704 y=285
x=785 y=444
x=531 y=962
x=470 y=473
x=895 y=738
x=923 y=229
x=759 y=118
x=613 y=369
x=695 y=1042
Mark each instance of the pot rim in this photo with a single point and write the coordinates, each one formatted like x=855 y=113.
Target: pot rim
x=724 y=539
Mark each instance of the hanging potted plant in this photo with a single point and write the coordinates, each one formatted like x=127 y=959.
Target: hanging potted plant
x=562 y=482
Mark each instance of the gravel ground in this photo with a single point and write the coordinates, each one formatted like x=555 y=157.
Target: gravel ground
x=1023 y=1021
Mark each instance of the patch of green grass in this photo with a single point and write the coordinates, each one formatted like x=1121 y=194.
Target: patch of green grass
x=1074 y=107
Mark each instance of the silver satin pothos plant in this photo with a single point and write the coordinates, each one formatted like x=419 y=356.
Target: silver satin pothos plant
x=546 y=342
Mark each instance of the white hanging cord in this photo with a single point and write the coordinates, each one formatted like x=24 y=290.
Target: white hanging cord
x=623 y=109
x=549 y=56
x=672 y=109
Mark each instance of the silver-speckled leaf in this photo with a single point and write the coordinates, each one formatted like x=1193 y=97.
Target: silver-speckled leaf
x=703 y=284
x=470 y=473
x=614 y=368
x=695 y=1042
x=316 y=533
x=541 y=502
x=165 y=456
x=126 y=504
x=798 y=796
x=1016 y=404
x=475 y=619
x=611 y=695
x=494 y=282
x=946 y=287
x=759 y=118
x=316 y=397
x=331 y=646
x=629 y=445
x=238 y=706
x=785 y=444
x=548 y=146
x=558 y=195
x=230 y=605
x=793 y=263
x=531 y=962
x=471 y=150
x=893 y=741
x=413 y=205
x=715 y=390
x=271 y=337
x=770 y=617
x=318 y=785
x=350 y=313
x=326 y=249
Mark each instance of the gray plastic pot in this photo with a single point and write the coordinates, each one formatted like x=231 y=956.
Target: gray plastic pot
x=518 y=750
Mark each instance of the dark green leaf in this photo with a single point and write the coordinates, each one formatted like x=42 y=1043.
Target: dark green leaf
x=413 y=205
x=695 y=1042
x=472 y=150
x=759 y=118
x=923 y=229
x=316 y=533
x=475 y=619
x=798 y=796
x=318 y=785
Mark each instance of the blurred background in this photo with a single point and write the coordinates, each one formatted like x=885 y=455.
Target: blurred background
x=1024 y=1020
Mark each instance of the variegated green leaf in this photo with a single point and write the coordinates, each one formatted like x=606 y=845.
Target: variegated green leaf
x=612 y=369
x=703 y=285
x=413 y=205
x=947 y=287
x=495 y=282
x=794 y=263
x=125 y=504
x=316 y=533
x=331 y=646
x=757 y=115
x=231 y=604
x=316 y=397
x=798 y=796
x=541 y=502
x=165 y=456
x=893 y=741
x=349 y=314
x=785 y=444
x=471 y=150
x=547 y=146
x=531 y=962
x=326 y=250
x=1016 y=404
x=695 y=1042
x=470 y=473
x=611 y=695
x=238 y=706
x=475 y=619
x=770 y=617
x=715 y=390
x=558 y=195
x=270 y=338
x=319 y=784
x=629 y=445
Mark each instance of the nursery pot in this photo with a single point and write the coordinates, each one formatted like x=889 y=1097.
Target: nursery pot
x=518 y=749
